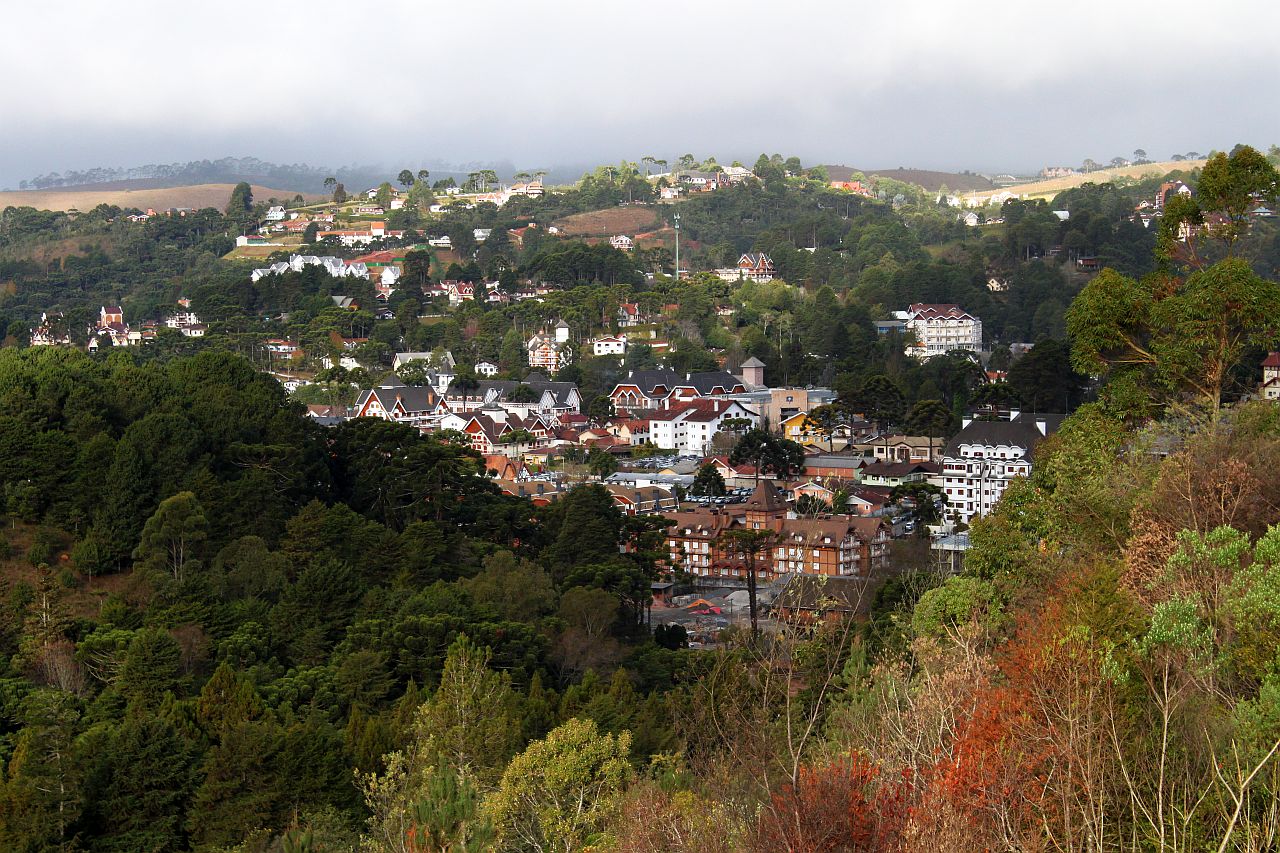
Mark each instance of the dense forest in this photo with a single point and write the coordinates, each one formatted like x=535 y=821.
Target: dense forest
x=225 y=627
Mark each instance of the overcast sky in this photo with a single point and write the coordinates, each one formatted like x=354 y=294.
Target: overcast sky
x=988 y=85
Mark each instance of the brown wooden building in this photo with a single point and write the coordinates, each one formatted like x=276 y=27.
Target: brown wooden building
x=834 y=546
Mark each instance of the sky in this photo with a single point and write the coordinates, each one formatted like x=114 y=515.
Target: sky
x=991 y=85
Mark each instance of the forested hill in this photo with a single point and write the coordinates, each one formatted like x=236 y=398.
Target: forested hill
x=930 y=180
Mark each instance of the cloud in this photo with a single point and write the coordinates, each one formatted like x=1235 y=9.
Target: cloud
x=997 y=84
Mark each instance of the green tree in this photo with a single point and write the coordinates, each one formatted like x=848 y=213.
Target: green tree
x=559 y=794
x=931 y=418
x=1182 y=336
x=240 y=789
x=145 y=781
x=601 y=462
x=172 y=536
x=768 y=453
x=708 y=482
x=241 y=202
x=518 y=590
x=405 y=178
x=151 y=667
x=42 y=797
x=471 y=723
x=746 y=545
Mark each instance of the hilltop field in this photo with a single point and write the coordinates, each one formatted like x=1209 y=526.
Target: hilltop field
x=1052 y=186
x=607 y=222
x=86 y=198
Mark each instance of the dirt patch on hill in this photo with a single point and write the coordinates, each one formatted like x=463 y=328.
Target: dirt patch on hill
x=608 y=222
x=1053 y=186
x=84 y=199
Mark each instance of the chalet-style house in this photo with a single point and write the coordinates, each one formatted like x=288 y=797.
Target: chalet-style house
x=752 y=266
x=837 y=546
x=629 y=315
x=395 y=401
x=550 y=399
x=550 y=352
x=493 y=430
x=622 y=243
x=52 y=330
x=804 y=598
x=656 y=389
x=647 y=500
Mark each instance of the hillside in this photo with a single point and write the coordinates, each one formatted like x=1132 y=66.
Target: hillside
x=607 y=222
x=126 y=194
x=1053 y=186
x=930 y=180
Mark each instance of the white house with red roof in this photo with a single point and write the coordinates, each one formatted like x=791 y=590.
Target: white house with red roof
x=629 y=315
x=1270 y=389
x=940 y=328
x=689 y=427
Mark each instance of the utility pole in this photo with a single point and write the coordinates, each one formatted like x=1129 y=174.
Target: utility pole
x=677 y=220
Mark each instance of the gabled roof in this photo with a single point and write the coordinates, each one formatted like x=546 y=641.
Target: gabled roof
x=1272 y=360
x=649 y=380
x=1017 y=433
x=753 y=362
x=412 y=398
x=899 y=469
x=707 y=381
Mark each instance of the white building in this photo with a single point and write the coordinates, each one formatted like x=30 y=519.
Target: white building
x=548 y=352
x=622 y=243
x=486 y=368
x=276 y=213
x=940 y=328
x=1270 y=388
x=983 y=458
x=690 y=427
x=609 y=345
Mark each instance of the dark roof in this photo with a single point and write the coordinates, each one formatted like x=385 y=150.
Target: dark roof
x=899 y=469
x=825 y=594
x=413 y=398
x=647 y=380
x=707 y=381
x=753 y=362
x=1021 y=432
x=559 y=390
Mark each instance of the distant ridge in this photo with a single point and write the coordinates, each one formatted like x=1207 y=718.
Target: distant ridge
x=930 y=180
x=85 y=199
